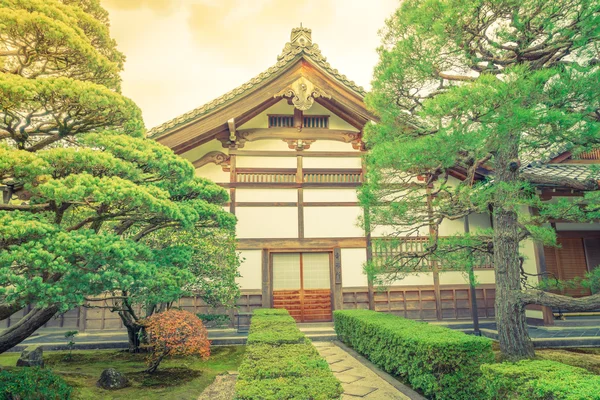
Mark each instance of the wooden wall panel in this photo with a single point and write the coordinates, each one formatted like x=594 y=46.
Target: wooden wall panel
x=419 y=303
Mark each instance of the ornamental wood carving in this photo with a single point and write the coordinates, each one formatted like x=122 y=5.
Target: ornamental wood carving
x=289 y=134
x=215 y=157
x=303 y=93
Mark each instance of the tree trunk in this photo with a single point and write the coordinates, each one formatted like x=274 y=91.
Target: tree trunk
x=31 y=322
x=510 y=310
x=135 y=331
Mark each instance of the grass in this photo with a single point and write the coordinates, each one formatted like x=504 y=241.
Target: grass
x=583 y=357
x=179 y=378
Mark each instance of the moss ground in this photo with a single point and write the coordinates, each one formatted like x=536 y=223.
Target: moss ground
x=177 y=378
x=582 y=357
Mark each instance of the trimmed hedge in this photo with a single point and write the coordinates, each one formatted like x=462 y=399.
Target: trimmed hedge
x=539 y=380
x=24 y=383
x=442 y=363
x=281 y=363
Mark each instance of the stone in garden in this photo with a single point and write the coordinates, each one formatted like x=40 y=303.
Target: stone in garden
x=32 y=356
x=111 y=379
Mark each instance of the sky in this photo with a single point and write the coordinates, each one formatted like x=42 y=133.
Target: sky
x=182 y=54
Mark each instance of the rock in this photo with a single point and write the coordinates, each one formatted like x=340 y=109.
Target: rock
x=111 y=379
x=32 y=356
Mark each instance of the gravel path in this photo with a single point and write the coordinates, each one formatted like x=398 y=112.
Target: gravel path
x=223 y=388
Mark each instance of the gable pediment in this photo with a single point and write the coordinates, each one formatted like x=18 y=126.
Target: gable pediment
x=302 y=76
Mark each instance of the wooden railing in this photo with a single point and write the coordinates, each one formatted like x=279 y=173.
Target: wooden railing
x=291 y=175
x=590 y=155
x=332 y=176
x=384 y=251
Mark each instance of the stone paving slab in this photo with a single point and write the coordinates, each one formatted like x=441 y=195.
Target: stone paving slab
x=358 y=381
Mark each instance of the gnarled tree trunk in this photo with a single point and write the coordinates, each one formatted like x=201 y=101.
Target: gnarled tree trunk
x=510 y=310
x=31 y=322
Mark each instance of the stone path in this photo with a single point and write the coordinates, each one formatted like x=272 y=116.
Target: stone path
x=223 y=388
x=358 y=381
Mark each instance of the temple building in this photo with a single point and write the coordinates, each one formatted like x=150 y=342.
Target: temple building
x=288 y=147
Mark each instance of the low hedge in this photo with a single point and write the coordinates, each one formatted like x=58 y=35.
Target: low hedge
x=442 y=363
x=24 y=383
x=274 y=329
x=281 y=363
x=539 y=380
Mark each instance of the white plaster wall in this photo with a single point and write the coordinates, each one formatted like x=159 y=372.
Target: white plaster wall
x=452 y=227
x=266 y=162
x=479 y=221
x=352 y=267
x=268 y=145
x=197 y=152
x=415 y=279
x=332 y=222
x=330 y=195
x=335 y=122
x=527 y=250
x=330 y=145
x=331 y=162
x=460 y=278
x=536 y=314
x=250 y=269
x=267 y=222
x=266 y=195
x=262 y=119
x=213 y=172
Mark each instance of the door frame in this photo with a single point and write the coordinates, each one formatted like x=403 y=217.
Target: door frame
x=329 y=252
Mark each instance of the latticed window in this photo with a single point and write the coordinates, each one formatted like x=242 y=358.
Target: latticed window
x=308 y=121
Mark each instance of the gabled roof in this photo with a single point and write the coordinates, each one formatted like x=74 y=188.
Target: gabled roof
x=299 y=47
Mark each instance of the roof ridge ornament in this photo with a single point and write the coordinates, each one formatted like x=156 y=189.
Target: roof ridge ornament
x=301 y=41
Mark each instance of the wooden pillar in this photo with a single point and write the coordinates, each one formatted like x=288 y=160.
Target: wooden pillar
x=367 y=222
x=434 y=266
x=338 y=295
x=266 y=280
x=299 y=179
x=232 y=179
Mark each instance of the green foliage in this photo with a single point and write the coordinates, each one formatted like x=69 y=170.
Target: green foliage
x=96 y=207
x=281 y=365
x=470 y=95
x=33 y=384
x=274 y=329
x=539 y=380
x=441 y=362
x=70 y=336
x=215 y=320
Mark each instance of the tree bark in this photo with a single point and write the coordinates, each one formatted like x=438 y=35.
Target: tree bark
x=510 y=310
x=31 y=322
x=134 y=331
x=7 y=310
x=565 y=303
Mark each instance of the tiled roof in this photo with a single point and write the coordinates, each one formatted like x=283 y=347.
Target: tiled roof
x=579 y=172
x=300 y=45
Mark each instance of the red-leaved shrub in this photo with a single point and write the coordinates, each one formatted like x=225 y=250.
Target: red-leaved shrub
x=175 y=332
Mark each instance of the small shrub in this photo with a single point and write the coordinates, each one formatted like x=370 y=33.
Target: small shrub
x=175 y=332
x=443 y=363
x=32 y=384
x=214 y=320
x=539 y=380
x=281 y=363
x=70 y=336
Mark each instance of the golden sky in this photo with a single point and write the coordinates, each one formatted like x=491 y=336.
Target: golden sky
x=184 y=53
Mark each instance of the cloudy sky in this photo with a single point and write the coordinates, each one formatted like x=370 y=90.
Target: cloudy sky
x=184 y=53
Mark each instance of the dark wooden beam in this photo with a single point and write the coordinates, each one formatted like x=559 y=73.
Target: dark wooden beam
x=301 y=244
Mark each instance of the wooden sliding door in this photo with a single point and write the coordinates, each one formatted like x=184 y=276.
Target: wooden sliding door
x=302 y=285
